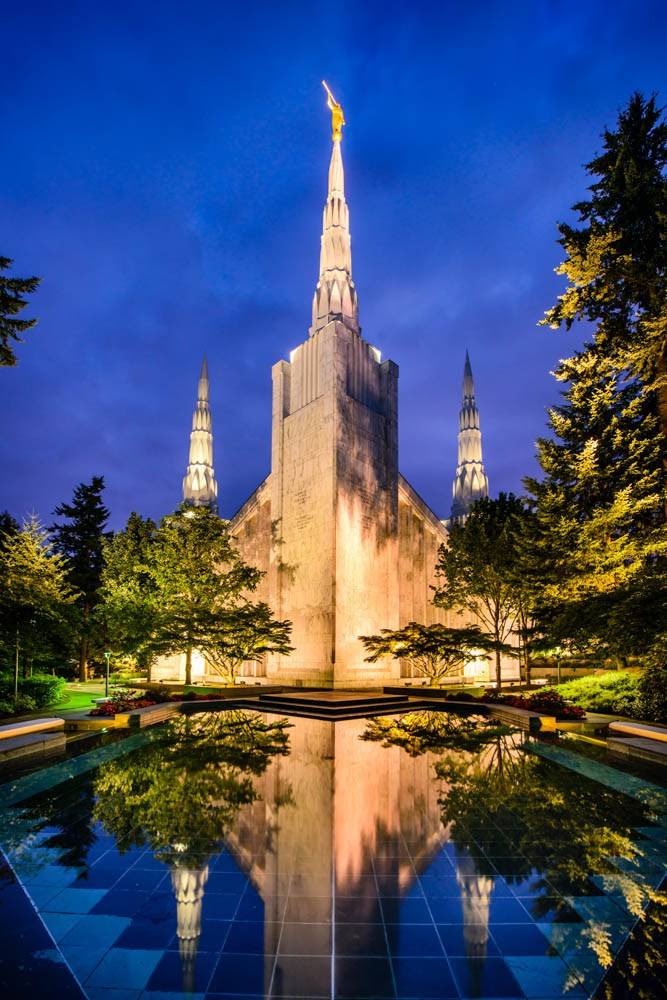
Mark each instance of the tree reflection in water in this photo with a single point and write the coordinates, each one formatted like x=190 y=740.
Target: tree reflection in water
x=512 y=811
x=180 y=796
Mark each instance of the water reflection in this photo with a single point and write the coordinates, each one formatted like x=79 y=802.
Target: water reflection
x=422 y=855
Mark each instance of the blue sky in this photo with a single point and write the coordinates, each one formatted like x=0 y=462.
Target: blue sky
x=164 y=170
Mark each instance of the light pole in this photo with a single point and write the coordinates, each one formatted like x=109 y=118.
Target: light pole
x=107 y=657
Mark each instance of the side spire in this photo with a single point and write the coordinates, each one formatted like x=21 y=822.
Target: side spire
x=335 y=295
x=199 y=485
x=470 y=482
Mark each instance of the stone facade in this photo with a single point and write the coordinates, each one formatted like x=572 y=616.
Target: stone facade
x=347 y=546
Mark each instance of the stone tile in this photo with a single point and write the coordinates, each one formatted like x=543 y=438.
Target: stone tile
x=173 y=974
x=97 y=931
x=361 y=977
x=413 y=939
x=520 y=939
x=82 y=958
x=75 y=900
x=314 y=939
x=123 y=968
x=462 y=939
x=60 y=923
x=544 y=977
x=428 y=979
x=484 y=977
x=358 y=940
x=241 y=974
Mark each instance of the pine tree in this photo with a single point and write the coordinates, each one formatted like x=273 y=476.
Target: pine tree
x=616 y=262
x=35 y=593
x=80 y=540
x=12 y=301
x=601 y=542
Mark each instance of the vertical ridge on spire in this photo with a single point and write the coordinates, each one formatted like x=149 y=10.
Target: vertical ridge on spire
x=199 y=485
x=470 y=481
x=335 y=295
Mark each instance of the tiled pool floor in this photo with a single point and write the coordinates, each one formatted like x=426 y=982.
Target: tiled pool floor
x=339 y=868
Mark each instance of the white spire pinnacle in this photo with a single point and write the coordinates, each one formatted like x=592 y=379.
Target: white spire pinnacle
x=470 y=482
x=335 y=295
x=199 y=485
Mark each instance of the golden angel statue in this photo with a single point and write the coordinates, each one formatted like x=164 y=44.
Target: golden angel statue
x=337 y=116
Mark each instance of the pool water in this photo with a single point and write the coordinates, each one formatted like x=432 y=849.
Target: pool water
x=234 y=854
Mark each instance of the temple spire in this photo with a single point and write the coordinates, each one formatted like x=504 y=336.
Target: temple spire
x=199 y=485
x=470 y=482
x=335 y=295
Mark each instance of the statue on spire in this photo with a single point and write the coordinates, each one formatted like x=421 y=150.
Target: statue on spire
x=337 y=116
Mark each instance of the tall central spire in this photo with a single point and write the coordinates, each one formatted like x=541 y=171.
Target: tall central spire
x=470 y=482
x=199 y=485
x=335 y=295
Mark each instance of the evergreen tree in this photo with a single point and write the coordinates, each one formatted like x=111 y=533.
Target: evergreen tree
x=476 y=568
x=35 y=595
x=8 y=526
x=80 y=540
x=12 y=301
x=601 y=542
x=616 y=262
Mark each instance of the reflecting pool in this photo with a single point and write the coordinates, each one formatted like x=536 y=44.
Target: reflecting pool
x=234 y=854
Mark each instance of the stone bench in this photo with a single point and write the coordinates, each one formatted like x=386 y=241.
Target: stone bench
x=17 y=729
x=639 y=729
x=637 y=748
x=522 y=718
x=32 y=743
x=138 y=718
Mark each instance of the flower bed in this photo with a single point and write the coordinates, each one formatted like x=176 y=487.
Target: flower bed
x=547 y=701
x=127 y=701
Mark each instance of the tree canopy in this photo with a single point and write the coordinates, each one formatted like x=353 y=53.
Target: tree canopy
x=600 y=504
x=184 y=586
x=436 y=650
x=36 y=596
x=476 y=569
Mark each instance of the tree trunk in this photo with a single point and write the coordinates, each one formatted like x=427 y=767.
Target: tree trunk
x=188 y=666
x=498 y=671
x=527 y=655
x=149 y=670
x=83 y=660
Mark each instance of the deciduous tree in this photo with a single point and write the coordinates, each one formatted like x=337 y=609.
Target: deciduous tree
x=476 y=569
x=436 y=650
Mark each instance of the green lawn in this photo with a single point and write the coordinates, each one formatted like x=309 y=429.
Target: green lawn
x=78 y=696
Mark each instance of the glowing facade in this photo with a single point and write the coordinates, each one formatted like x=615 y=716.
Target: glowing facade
x=470 y=482
x=199 y=485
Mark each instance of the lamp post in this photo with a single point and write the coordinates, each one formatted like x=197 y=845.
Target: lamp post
x=107 y=657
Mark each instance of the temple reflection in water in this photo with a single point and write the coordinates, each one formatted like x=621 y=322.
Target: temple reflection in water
x=333 y=845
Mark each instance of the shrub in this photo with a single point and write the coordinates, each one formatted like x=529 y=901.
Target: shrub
x=41 y=689
x=23 y=705
x=652 y=694
x=614 y=692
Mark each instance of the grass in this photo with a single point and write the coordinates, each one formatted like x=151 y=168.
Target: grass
x=614 y=692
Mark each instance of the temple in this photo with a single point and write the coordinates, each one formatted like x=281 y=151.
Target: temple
x=199 y=485
x=470 y=482
x=346 y=545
